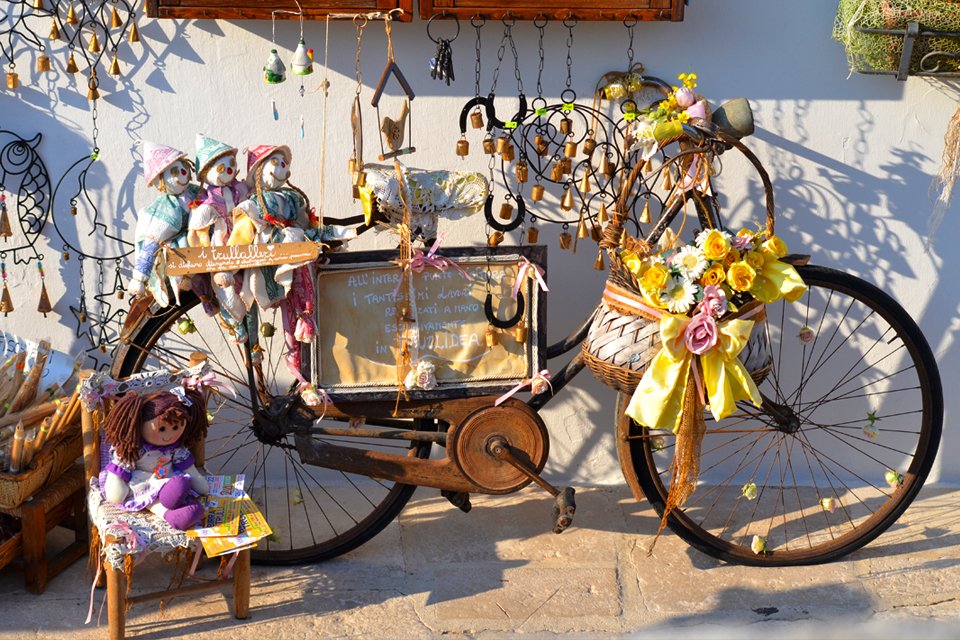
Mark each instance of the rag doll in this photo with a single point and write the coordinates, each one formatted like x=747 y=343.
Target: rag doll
x=211 y=221
x=151 y=466
x=164 y=221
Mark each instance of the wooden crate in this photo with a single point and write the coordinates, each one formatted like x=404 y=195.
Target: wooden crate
x=643 y=10
x=259 y=10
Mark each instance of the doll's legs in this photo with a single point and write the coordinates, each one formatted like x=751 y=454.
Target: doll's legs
x=171 y=507
x=174 y=491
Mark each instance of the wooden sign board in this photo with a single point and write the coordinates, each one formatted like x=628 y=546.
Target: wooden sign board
x=356 y=347
x=191 y=260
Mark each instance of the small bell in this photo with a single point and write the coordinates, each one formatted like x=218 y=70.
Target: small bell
x=6 y=302
x=54 y=30
x=522 y=170
x=44 y=305
x=43 y=63
x=509 y=153
x=274 y=72
x=603 y=164
x=595 y=234
x=556 y=171
x=610 y=169
x=570 y=149
x=489 y=145
x=93 y=93
x=13 y=80
x=103 y=348
x=352 y=165
x=588 y=146
x=667 y=181
x=302 y=62
x=121 y=294
x=83 y=316
x=114 y=65
x=71 y=15
x=521 y=332
x=134 y=33
x=476 y=119
x=567 y=202
x=73 y=210
x=543 y=147
x=503 y=141
x=491 y=337
x=360 y=179
x=648 y=165
x=71 y=64
x=566 y=126
x=115 y=21
x=94 y=45
x=66 y=256
x=585 y=183
x=566 y=240
x=506 y=211
x=495 y=239
x=536 y=193
x=582 y=230
x=645 y=214
x=598 y=264
x=5 y=229
x=602 y=216
x=463 y=147
x=533 y=234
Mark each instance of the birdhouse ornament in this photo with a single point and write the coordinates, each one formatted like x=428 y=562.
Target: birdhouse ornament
x=302 y=63
x=164 y=221
x=274 y=72
x=211 y=220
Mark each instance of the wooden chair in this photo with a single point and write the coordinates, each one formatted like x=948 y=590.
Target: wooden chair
x=111 y=545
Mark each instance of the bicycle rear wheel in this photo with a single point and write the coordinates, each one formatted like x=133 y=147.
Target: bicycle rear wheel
x=316 y=513
x=866 y=393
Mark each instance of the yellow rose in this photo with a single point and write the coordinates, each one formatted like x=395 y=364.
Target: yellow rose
x=745 y=233
x=714 y=275
x=716 y=245
x=740 y=276
x=656 y=277
x=775 y=246
x=632 y=262
x=732 y=256
x=754 y=259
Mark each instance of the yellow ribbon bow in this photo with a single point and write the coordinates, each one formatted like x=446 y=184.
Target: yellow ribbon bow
x=659 y=398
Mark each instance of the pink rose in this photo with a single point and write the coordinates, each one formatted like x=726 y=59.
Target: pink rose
x=686 y=97
x=714 y=301
x=701 y=334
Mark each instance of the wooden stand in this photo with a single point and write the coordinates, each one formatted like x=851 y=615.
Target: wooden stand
x=61 y=503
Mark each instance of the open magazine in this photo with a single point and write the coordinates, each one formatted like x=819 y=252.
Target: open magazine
x=231 y=522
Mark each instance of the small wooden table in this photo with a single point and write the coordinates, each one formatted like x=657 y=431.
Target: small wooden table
x=62 y=503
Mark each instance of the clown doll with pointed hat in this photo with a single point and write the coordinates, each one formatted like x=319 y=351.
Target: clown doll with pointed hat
x=212 y=220
x=278 y=212
x=164 y=221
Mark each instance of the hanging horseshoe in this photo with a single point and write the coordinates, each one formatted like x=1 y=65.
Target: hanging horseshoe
x=493 y=122
x=504 y=324
x=509 y=226
x=479 y=100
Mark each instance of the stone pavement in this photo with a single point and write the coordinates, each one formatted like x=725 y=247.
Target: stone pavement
x=498 y=572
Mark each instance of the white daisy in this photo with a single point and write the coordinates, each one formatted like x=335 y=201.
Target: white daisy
x=679 y=295
x=690 y=262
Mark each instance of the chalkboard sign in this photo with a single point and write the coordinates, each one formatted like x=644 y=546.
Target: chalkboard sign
x=190 y=260
x=356 y=347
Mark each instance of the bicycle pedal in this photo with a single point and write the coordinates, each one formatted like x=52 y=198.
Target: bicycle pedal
x=459 y=499
x=564 y=506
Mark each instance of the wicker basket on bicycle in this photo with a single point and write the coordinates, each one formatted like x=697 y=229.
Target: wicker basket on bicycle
x=622 y=342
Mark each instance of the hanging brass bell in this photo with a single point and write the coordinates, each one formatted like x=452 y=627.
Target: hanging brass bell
x=570 y=149
x=566 y=165
x=667 y=181
x=536 y=193
x=114 y=65
x=54 y=30
x=43 y=63
x=648 y=165
x=83 y=316
x=585 y=183
x=352 y=165
x=566 y=203
x=610 y=169
x=115 y=21
x=491 y=337
x=13 y=80
x=556 y=171
x=71 y=65
x=93 y=93
x=566 y=126
x=6 y=302
x=495 y=238
x=134 y=33
x=508 y=153
x=542 y=146
x=598 y=264
x=522 y=171
x=588 y=146
x=506 y=211
x=503 y=141
x=602 y=216
x=521 y=332
x=645 y=214
x=121 y=294
x=94 y=45
x=533 y=234
x=360 y=179
x=603 y=164
x=595 y=234
x=463 y=147
x=66 y=256
x=566 y=240
x=489 y=145
x=476 y=119
x=582 y=230
x=44 y=305
x=71 y=15
x=5 y=229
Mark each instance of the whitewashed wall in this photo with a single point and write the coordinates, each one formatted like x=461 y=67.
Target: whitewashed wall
x=851 y=158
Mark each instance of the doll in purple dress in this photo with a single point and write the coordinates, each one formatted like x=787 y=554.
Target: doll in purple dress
x=151 y=466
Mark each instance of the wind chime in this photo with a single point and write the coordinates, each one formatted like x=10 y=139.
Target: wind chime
x=92 y=28
x=25 y=188
x=392 y=132
x=301 y=64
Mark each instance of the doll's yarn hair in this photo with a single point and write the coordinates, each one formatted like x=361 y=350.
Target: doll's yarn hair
x=122 y=426
x=258 y=187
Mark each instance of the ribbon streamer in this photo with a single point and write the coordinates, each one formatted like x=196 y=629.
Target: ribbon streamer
x=540 y=378
x=526 y=269
x=420 y=261
x=210 y=381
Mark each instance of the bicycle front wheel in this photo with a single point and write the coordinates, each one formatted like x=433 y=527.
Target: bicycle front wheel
x=315 y=513
x=856 y=374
